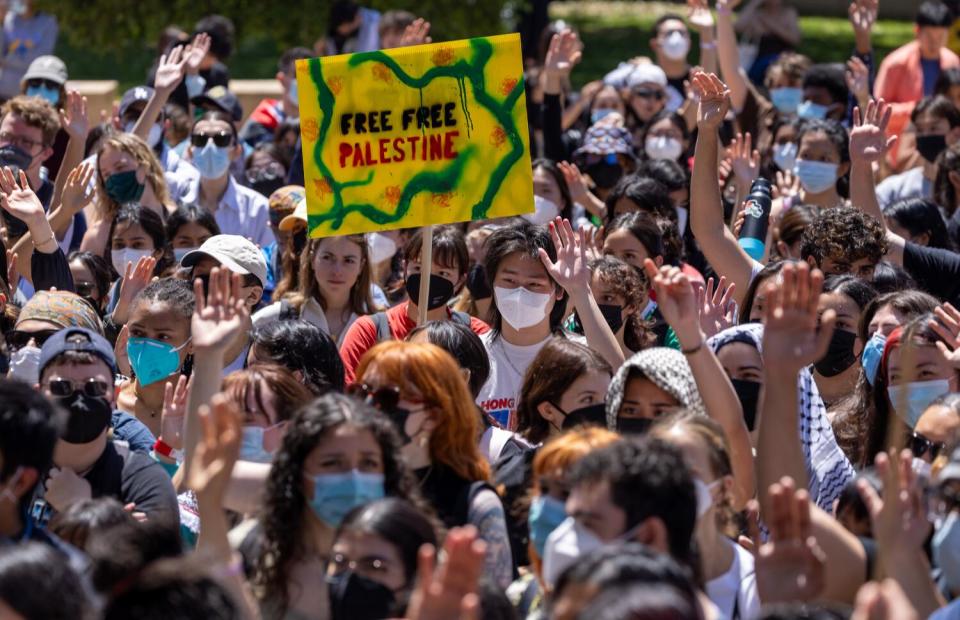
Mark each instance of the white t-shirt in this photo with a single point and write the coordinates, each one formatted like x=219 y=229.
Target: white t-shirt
x=508 y=363
x=735 y=592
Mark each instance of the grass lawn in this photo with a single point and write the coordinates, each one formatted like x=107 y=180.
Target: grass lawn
x=615 y=31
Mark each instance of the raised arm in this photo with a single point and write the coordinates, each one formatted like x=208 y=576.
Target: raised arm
x=706 y=206
x=169 y=73
x=728 y=54
x=700 y=17
x=17 y=199
x=562 y=56
x=74 y=120
x=678 y=302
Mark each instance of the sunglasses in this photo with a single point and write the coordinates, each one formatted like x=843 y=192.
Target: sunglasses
x=222 y=139
x=85 y=289
x=648 y=93
x=17 y=339
x=920 y=445
x=37 y=82
x=384 y=398
x=91 y=387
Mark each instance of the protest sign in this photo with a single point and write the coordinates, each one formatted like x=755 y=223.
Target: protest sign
x=415 y=136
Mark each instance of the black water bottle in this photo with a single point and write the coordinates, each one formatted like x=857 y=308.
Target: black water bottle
x=756 y=214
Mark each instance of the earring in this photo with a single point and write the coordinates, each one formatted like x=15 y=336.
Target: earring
x=424 y=439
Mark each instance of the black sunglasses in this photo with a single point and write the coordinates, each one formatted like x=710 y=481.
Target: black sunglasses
x=36 y=82
x=91 y=387
x=222 y=139
x=920 y=445
x=385 y=398
x=17 y=339
x=85 y=289
x=648 y=93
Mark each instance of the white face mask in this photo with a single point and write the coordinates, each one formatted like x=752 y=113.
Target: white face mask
x=120 y=258
x=546 y=211
x=570 y=542
x=25 y=365
x=676 y=46
x=663 y=147
x=521 y=308
x=381 y=247
x=156 y=132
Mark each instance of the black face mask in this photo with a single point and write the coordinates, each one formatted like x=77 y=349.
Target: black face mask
x=605 y=175
x=477 y=283
x=931 y=146
x=839 y=355
x=591 y=415
x=399 y=415
x=268 y=185
x=16 y=159
x=613 y=315
x=634 y=426
x=354 y=597
x=89 y=417
x=748 y=392
x=441 y=290
x=300 y=241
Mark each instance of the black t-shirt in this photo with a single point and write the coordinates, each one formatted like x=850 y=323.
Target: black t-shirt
x=936 y=271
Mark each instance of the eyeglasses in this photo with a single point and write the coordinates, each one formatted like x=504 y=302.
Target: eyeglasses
x=222 y=139
x=365 y=566
x=384 y=398
x=91 y=387
x=920 y=445
x=38 y=82
x=85 y=289
x=272 y=170
x=26 y=144
x=17 y=339
x=648 y=93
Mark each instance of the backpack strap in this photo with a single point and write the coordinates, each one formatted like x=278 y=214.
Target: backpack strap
x=383 y=326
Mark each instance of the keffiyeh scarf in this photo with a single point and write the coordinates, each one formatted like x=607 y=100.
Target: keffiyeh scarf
x=667 y=369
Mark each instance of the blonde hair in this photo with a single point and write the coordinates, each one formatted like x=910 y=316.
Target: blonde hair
x=140 y=151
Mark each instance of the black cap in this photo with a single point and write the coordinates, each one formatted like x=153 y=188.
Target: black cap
x=222 y=99
x=77 y=339
x=134 y=95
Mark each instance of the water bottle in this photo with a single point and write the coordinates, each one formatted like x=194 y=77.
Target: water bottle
x=756 y=213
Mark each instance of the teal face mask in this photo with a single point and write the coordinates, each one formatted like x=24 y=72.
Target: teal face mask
x=50 y=95
x=334 y=495
x=153 y=360
x=546 y=515
x=123 y=187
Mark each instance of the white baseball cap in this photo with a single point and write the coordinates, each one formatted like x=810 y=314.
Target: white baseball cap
x=236 y=253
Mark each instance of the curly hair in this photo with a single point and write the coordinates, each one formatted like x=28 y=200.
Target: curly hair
x=35 y=112
x=177 y=293
x=845 y=235
x=141 y=152
x=630 y=284
x=285 y=506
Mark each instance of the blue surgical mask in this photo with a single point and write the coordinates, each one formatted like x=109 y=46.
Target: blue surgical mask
x=179 y=253
x=871 y=356
x=917 y=395
x=251 y=445
x=786 y=100
x=546 y=514
x=785 y=156
x=946 y=550
x=212 y=161
x=599 y=114
x=294 y=92
x=50 y=95
x=335 y=495
x=809 y=110
x=816 y=177
x=153 y=360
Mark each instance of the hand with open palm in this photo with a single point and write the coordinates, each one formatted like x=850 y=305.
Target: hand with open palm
x=172 y=416
x=196 y=52
x=170 y=70
x=677 y=301
x=450 y=590
x=73 y=116
x=714 y=99
x=220 y=315
x=563 y=54
x=78 y=191
x=571 y=269
x=868 y=138
x=18 y=199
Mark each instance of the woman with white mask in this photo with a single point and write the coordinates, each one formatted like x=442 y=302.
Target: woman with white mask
x=551 y=196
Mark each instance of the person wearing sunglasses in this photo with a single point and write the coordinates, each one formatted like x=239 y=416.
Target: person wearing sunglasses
x=46 y=78
x=239 y=210
x=645 y=90
x=77 y=367
x=937 y=428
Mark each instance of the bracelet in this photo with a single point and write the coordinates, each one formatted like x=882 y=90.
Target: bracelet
x=694 y=349
x=37 y=244
x=708 y=46
x=165 y=449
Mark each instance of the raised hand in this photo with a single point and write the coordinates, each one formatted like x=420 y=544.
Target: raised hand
x=170 y=70
x=788 y=184
x=416 y=33
x=570 y=270
x=858 y=79
x=714 y=100
x=745 y=159
x=575 y=182
x=791 y=339
x=718 y=310
x=947 y=326
x=174 y=410
x=791 y=566
x=562 y=56
x=78 y=192
x=450 y=591
x=677 y=302
x=217 y=451
x=868 y=139
x=220 y=315
x=883 y=601
x=863 y=15
x=595 y=238
x=73 y=116
x=196 y=52
x=135 y=279
x=699 y=15
x=900 y=518
x=18 y=199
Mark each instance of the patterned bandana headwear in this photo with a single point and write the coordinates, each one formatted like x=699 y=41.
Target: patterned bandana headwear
x=667 y=369
x=61 y=308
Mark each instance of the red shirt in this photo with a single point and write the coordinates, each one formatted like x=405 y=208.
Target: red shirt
x=362 y=335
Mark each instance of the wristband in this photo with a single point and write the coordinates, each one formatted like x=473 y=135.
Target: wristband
x=694 y=349
x=164 y=449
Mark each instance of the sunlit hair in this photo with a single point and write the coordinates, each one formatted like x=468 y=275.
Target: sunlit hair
x=289 y=394
x=361 y=301
x=561 y=452
x=141 y=152
x=426 y=372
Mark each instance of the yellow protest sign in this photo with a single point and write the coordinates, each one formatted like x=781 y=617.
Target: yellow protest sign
x=413 y=136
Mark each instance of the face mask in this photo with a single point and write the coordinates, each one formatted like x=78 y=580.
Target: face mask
x=156 y=132
x=15 y=158
x=546 y=515
x=268 y=185
x=930 y=147
x=212 y=161
x=334 y=495
x=89 y=417
x=816 y=177
x=634 y=426
x=477 y=283
x=839 y=355
x=704 y=495
x=785 y=156
x=748 y=393
x=441 y=290
x=786 y=100
x=521 y=308
x=565 y=545
x=251 y=444
x=871 y=356
x=591 y=415
x=153 y=360
x=605 y=175
x=120 y=258
x=123 y=187
x=917 y=395
x=676 y=46
x=683 y=215
x=663 y=148
x=294 y=94
x=598 y=115
x=25 y=365
x=381 y=247
x=355 y=597
x=613 y=315
x=946 y=550
x=50 y=95
x=545 y=210
x=179 y=253
x=809 y=110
